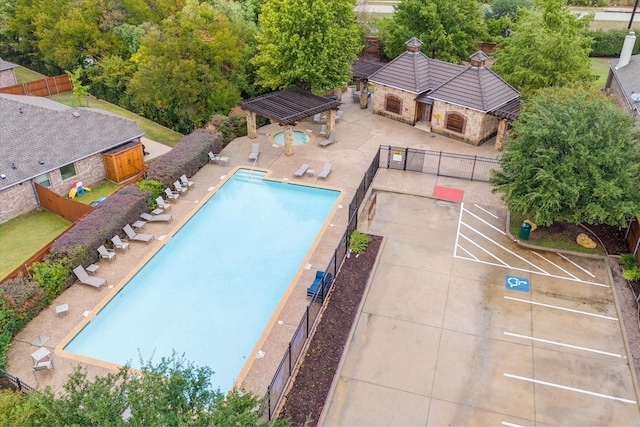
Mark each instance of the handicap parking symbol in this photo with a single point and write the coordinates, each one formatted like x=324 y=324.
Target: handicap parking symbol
x=515 y=283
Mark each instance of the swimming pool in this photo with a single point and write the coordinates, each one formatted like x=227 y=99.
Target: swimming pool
x=299 y=137
x=210 y=291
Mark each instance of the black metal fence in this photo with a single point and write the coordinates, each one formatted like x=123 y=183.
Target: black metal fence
x=437 y=163
x=15 y=382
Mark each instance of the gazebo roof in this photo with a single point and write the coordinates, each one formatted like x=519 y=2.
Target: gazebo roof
x=363 y=68
x=287 y=106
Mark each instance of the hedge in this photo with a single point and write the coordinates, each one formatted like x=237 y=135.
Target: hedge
x=609 y=43
x=8 y=324
x=25 y=298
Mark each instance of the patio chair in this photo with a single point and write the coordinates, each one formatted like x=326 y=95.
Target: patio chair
x=301 y=170
x=317 y=118
x=155 y=218
x=106 y=253
x=339 y=115
x=170 y=194
x=323 y=130
x=162 y=204
x=179 y=188
x=140 y=237
x=326 y=170
x=318 y=284
x=119 y=243
x=328 y=141
x=42 y=365
x=85 y=279
x=185 y=181
x=255 y=151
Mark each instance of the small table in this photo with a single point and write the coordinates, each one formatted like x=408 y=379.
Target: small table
x=138 y=225
x=92 y=268
x=157 y=211
x=62 y=309
x=40 y=354
x=310 y=172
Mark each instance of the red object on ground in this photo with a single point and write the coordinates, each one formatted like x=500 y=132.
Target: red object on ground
x=448 y=193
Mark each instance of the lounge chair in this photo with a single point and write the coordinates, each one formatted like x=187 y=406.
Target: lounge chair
x=255 y=151
x=106 y=253
x=170 y=194
x=219 y=160
x=339 y=115
x=85 y=279
x=119 y=243
x=185 y=181
x=165 y=206
x=318 y=284
x=323 y=130
x=326 y=170
x=316 y=118
x=155 y=218
x=179 y=188
x=140 y=237
x=301 y=170
x=328 y=141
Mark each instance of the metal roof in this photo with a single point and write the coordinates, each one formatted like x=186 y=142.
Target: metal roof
x=287 y=106
x=629 y=78
x=38 y=135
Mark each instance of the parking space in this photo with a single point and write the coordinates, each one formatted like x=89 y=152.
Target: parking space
x=462 y=326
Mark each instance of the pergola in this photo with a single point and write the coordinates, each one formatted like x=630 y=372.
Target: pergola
x=286 y=107
x=361 y=70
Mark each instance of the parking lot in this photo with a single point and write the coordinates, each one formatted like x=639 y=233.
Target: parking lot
x=462 y=326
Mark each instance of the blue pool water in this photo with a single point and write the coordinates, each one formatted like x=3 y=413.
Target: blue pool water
x=299 y=137
x=211 y=290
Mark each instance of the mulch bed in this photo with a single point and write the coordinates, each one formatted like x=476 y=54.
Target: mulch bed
x=305 y=400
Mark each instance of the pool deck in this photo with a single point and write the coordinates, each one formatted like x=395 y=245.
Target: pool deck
x=358 y=136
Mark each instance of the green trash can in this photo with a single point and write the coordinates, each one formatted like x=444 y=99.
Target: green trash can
x=525 y=231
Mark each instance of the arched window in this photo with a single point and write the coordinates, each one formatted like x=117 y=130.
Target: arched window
x=393 y=104
x=455 y=122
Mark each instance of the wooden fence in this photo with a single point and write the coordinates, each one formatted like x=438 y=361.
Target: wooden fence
x=67 y=208
x=36 y=257
x=45 y=87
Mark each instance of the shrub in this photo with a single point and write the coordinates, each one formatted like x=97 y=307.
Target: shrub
x=359 y=242
x=186 y=158
x=8 y=323
x=51 y=275
x=631 y=273
x=230 y=127
x=588 y=3
x=627 y=261
x=25 y=298
x=609 y=42
x=155 y=189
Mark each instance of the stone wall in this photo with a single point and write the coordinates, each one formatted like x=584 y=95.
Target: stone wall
x=478 y=126
x=408 y=112
x=8 y=78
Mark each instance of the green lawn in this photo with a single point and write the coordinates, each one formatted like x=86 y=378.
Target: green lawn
x=600 y=67
x=152 y=130
x=103 y=189
x=22 y=236
x=25 y=75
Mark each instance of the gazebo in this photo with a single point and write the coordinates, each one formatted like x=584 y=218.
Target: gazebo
x=360 y=71
x=286 y=107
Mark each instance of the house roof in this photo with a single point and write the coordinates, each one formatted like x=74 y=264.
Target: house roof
x=414 y=72
x=363 y=68
x=38 y=135
x=477 y=88
x=287 y=106
x=4 y=65
x=629 y=78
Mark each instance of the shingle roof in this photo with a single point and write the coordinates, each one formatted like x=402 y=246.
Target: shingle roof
x=628 y=77
x=416 y=73
x=4 y=65
x=34 y=129
x=363 y=68
x=477 y=88
x=287 y=106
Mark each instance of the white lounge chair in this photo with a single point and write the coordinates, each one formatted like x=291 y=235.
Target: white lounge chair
x=155 y=218
x=179 y=188
x=317 y=118
x=85 y=279
x=328 y=141
x=185 y=181
x=170 y=194
x=119 y=243
x=42 y=365
x=323 y=130
x=140 y=237
x=106 y=253
x=255 y=151
x=219 y=160
x=301 y=170
x=326 y=170
x=162 y=204
x=339 y=115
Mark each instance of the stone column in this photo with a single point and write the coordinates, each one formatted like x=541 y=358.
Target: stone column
x=252 y=130
x=364 y=96
x=501 y=135
x=288 y=140
x=331 y=121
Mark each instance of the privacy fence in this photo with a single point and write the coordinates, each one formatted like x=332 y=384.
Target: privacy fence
x=44 y=87
x=401 y=158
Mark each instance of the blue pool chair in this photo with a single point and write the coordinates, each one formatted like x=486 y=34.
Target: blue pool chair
x=317 y=285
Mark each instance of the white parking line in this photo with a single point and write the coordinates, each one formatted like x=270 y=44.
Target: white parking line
x=505 y=423
x=583 y=269
x=562 y=344
x=563 y=387
x=485 y=222
x=470 y=254
x=561 y=308
x=554 y=264
x=486 y=211
x=504 y=264
x=455 y=248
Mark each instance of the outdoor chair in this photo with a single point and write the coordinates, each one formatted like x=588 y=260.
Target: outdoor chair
x=42 y=365
x=119 y=244
x=106 y=253
x=323 y=130
x=328 y=141
x=185 y=181
x=170 y=194
x=155 y=218
x=301 y=170
x=179 y=188
x=85 y=279
x=326 y=170
x=318 y=283
x=219 y=160
x=316 y=118
x=255 y=151
x=339 y=115
x=140 y=237
x=162 y=204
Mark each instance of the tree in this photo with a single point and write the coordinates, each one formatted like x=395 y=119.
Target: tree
x=448 y=29
x=571 y=156
x=170 y=393
x=499 y=8
x=307 y=43
x=79 y=90
x=547 y=47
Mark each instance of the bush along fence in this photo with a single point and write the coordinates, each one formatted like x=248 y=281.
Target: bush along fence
x=15 y=382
